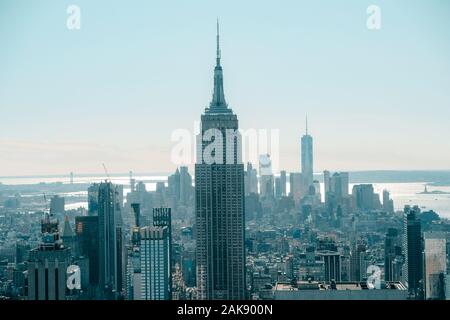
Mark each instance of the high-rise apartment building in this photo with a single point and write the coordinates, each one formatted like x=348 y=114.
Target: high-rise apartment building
x=155 y=263
x=162 y=217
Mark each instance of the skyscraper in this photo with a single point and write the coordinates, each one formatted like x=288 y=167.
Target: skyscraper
x=86 y=230
x=47 y=265
x=266 y=181
x=356 y=257
x=250 y=180
x=185 y=186
x=326 y=183
x=435 y=263
x=219 y=199
x=336 y=192
x=155 y=264
x=339 y=184
x=173 y=182
x=278 y=192
x=307 y=160
x=363 y=195
x=162 y=217
x=412 y=247
x=332 y=264
x=317 y=191
x=133 y=274
x=283 y=183
x=110 y=238
x=388 y=203
x=295 y=186
x=392 y=255
x=180 y=186
x=57 y=204
x=93 y=199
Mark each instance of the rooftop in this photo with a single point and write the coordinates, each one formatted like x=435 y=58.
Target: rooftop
x=316 y=285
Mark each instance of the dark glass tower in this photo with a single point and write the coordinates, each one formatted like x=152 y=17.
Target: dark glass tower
x=412 y=244
x=219 y=200
x=392 y=254
x=110 y=238
x=86 y=229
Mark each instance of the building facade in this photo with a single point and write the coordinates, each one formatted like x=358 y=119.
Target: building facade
x=412 y=247
x=47 y=265
x=155 y=264
x=219 y=200
x=110 y=238
x=435 y=265
x=307 y=160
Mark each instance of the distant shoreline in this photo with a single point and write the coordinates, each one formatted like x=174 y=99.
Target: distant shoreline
x=430 y=177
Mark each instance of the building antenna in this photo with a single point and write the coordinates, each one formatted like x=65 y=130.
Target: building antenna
x=306 y=124
x=218 y=54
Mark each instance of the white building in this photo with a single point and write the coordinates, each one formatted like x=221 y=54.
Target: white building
x=435 y=264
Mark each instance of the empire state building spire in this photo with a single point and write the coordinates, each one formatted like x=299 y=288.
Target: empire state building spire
x=218 y=103
x=218 y=45
x=219 y=200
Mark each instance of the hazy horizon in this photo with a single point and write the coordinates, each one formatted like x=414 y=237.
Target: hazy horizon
x=115 y=90
x=405 y=174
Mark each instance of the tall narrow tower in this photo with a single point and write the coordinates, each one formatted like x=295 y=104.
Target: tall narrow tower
x=307 y=160
x=110 y=238
x=413 y=251
x=219 y=199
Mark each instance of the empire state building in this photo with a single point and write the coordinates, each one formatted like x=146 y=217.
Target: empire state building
x=219 y=199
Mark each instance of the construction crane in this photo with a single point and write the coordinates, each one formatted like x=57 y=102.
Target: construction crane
x=106 y=172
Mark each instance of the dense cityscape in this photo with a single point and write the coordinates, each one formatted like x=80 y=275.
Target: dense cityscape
x=229 y=231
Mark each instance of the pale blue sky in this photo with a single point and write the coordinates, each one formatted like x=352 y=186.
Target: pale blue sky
x=115 y=90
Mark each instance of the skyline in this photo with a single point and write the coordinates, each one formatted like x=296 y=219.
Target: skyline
x=164 y=64
x=237 y=219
